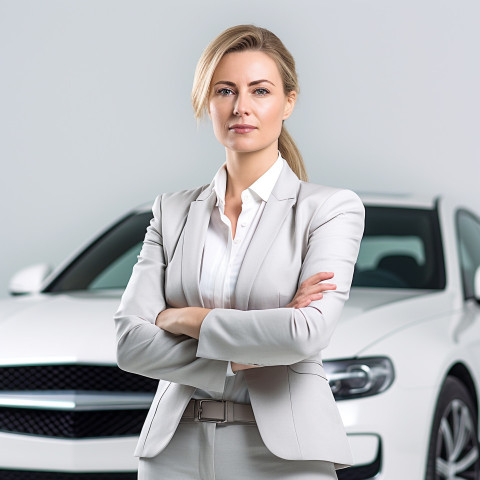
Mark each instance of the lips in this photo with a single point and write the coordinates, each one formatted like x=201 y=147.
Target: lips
x=242 y=128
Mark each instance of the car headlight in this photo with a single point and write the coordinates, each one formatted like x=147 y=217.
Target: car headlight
x=359 y=377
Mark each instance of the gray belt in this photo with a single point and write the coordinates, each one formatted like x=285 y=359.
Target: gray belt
x=217 y=411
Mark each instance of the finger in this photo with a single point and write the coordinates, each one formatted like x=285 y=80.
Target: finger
x=312 y=297
x=298 y=303
x=325 y=286
x=309 y=293
x=318 y=277
x=319 y=287
x=305 y=301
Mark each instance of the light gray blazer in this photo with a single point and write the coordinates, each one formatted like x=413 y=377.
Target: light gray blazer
x=304 y=229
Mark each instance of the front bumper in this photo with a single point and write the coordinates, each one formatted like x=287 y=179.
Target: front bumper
x=390 y=432
x=28 y=452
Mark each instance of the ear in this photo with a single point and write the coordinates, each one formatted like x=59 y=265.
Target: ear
x=289 y=104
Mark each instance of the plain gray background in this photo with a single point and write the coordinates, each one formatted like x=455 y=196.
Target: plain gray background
x=95 y=114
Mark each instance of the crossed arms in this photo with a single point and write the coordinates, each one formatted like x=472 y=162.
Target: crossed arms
x=192 y=346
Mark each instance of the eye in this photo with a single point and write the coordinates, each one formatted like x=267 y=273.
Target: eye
x=261 y=91
x=225 y=91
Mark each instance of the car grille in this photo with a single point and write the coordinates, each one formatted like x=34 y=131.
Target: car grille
x=74 y=377
x=31 y=475
x=65 y=423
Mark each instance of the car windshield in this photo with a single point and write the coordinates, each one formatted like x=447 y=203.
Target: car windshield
x=106 y=263
x=401 y=248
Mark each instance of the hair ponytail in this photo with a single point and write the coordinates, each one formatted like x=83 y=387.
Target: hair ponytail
x=290 y=152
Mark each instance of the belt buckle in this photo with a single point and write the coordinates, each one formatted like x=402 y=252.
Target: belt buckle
x=211 y=420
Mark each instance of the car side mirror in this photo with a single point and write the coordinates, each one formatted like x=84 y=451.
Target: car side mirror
x=29 y=280
x=476 y=285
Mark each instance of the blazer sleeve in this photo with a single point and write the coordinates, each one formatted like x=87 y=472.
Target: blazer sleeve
x=283 y=336
x=144 y=348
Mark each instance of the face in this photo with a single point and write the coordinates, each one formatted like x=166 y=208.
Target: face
x=247 y=102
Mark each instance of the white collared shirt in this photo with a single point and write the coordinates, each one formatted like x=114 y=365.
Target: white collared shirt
x=223 y=255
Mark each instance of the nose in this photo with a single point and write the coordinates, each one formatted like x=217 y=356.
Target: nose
x=242 y=105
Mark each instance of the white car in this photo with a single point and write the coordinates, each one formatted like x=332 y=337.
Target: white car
x=404 y=362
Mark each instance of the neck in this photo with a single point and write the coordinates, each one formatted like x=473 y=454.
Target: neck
x=244 y=168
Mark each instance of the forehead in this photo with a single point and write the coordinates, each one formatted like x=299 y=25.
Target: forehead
x=247 y=66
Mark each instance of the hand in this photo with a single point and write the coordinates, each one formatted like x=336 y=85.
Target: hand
x=182 y=321
x=310 y=290
x=240 y=366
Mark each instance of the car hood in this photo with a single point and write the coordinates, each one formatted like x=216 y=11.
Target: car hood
x=372 y=314
x=78 y=327
x=59 y=328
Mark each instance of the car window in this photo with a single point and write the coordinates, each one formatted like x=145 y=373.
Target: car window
x=116 y=275
x=374 y=248
x=401 y=248
x=106 y=263
x=468 y=232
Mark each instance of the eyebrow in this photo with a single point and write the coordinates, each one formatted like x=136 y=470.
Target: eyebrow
x=255 y=82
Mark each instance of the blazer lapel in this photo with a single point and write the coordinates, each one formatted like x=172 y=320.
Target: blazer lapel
x=281 y=200
x=193 y=241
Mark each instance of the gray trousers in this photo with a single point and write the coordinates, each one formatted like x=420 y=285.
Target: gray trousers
x=209 y=451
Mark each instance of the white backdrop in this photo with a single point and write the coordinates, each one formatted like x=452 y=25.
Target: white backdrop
x=95 y=115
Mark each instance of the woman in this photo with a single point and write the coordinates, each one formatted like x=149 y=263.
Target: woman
x=227 y=304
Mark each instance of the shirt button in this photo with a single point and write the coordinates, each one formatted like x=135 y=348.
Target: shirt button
x=236 y=241
x=243 y=224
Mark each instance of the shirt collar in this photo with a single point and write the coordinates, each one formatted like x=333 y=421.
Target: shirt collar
x=263 y=186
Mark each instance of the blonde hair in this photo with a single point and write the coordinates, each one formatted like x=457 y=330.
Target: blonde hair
x=241 y=38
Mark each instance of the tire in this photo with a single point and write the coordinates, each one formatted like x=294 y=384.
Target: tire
x=453 y=452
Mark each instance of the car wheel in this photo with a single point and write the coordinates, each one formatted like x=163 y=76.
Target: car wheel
x=453 y=452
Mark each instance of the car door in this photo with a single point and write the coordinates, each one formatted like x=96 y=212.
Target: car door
x=468 y=236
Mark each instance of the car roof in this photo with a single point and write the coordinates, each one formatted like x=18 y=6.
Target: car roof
x=398 y=200
x=368 y=198
x=144 y=207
